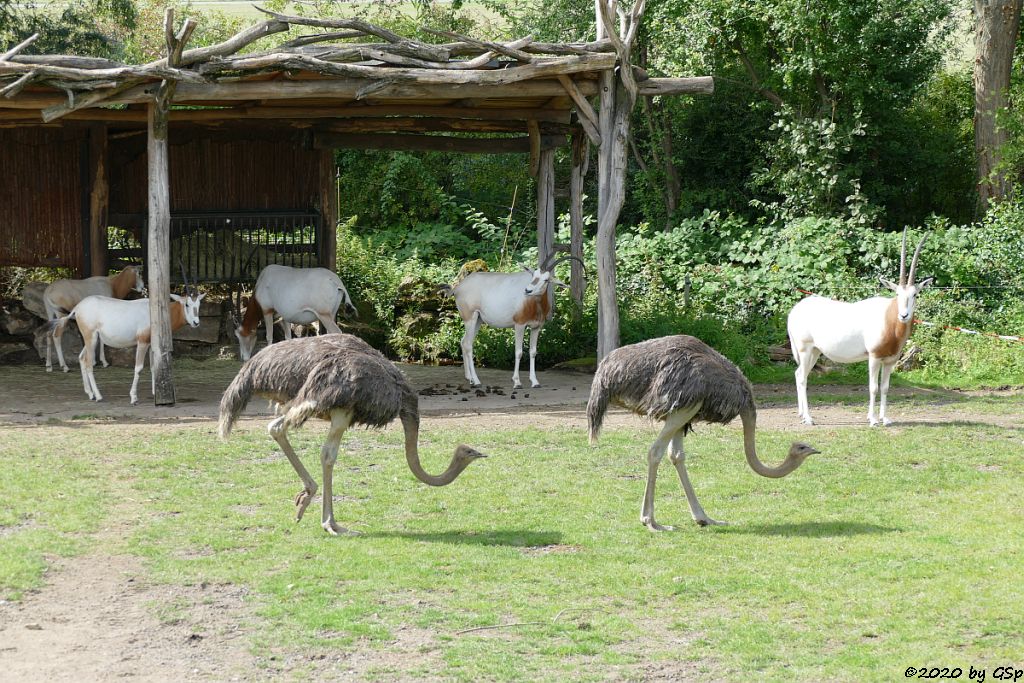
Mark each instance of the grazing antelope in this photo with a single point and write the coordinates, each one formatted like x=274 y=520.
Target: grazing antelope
x=121 y=324
x=63 y=295
x=875 y=329
x=298 y=295
x=517 y=300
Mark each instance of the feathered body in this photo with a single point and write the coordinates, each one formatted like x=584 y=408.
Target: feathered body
x=660 y=376
x=678 y=380
x=340 y=378
x=339 y=371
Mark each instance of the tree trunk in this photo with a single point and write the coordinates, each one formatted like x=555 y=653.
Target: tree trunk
x=614 y=117
x=328 y=210
x=546 y=215
x=996 y=28
x=158 y=265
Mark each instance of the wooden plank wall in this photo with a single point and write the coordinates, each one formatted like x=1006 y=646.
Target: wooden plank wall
x=41 y=221
x=218 y=175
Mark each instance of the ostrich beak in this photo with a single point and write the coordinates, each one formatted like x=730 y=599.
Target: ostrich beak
x=813 y=450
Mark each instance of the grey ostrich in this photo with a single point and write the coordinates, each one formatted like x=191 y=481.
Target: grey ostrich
x=335 y=377
x=677 y=380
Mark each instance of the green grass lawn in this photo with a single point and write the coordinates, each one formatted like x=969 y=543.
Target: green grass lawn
x=893 y=548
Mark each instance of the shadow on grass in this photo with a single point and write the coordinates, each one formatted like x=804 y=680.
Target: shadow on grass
x=515 y=538
x=810 y=529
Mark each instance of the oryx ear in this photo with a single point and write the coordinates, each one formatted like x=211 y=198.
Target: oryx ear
x=177 y=298
x=200 y=297
x=558 y=283
x=924 y=283
x=528 y=269
x=888 y=284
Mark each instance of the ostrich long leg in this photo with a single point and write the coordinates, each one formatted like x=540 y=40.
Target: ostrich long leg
x=678 y=458
x=278 y=429
x=673 y=424
x=340 y=421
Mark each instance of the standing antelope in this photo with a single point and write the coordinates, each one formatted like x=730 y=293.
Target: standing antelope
x=63 y=295
x=298 y=295
x=517 y=300
x=875 y=329
x=121 y=324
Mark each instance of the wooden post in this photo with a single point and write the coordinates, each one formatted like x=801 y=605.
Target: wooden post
x=580 y=159
x=158 y=266
x=99 y=198
x=328 y=210
x=159 y=233
x=546 y=215
x=618 y=90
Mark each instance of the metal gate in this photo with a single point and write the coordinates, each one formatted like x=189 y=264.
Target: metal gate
x=233 y=247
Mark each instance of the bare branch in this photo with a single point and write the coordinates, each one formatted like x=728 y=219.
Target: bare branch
x=19 y=47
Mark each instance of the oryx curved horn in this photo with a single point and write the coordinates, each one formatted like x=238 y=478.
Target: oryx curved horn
x=184 y=280
x=567 y=258
x=903 y=259
x=913 y=262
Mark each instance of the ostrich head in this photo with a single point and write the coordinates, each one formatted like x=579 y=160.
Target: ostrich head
x=465 y=454
x=799 y=451
x=907 y=290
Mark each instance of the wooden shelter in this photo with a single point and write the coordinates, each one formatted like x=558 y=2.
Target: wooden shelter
x=256 y=132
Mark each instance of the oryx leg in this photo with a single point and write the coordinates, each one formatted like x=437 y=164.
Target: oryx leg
x=520 y=332
x=887 y=369
x=468 y=365
x=268 y=322
x=673 y=424
x=278 y=429
x=678 y=458
x=808 y=355
x=874 y=367
x=534 y=333
x=340 y=421
x=140 y=362
x=103 y=356
x=327 y=323
x=87 y=359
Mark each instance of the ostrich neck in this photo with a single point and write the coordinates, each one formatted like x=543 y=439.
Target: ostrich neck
x=412 y=457
x=749 y=418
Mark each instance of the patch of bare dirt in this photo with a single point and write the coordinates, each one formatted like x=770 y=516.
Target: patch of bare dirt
x=98 y=619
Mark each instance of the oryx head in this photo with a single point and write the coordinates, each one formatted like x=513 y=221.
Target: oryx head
x=907 y=290
x=546 y=274
x=349 y=308
x=140 y=284
x=189 y=302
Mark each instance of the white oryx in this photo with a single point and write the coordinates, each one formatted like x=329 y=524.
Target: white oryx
x=517 y=300
x=875 y=329
x=63 y=295
x=121 y=324
x=298 y=295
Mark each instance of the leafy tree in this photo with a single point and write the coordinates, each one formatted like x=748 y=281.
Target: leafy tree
x=84 y=27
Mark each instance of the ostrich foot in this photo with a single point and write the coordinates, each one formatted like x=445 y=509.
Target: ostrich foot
x=332 y=527
x=654 y=526
x=302 y=500
x=707 y=521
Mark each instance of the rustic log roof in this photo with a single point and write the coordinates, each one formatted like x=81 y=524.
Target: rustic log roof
x=350 y=77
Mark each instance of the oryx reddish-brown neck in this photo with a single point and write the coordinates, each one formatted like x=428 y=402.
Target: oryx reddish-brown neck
x=253 y=314
x=122 y=283
x=894 y=334
x=177 y=311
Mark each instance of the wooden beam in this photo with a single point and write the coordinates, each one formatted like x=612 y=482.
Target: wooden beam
x=534 y=132
x=430 y=125
x=328 y=210
x=587 y=115
x=695 y=85
x=546 y=215
x=580 y=159
x=433 y=143
x=99 y=198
